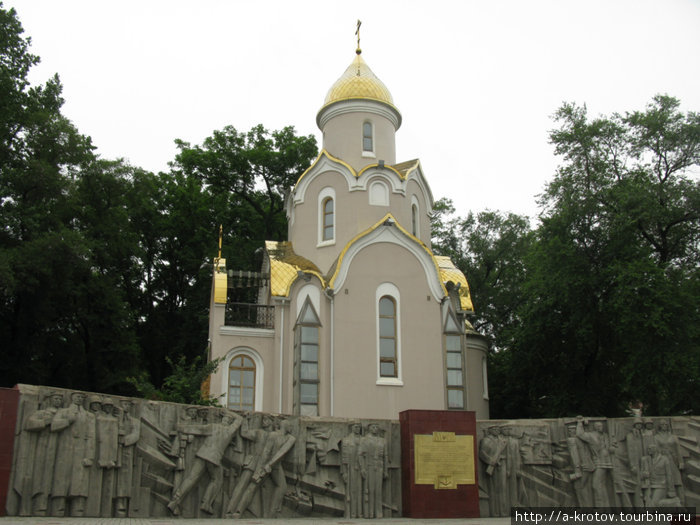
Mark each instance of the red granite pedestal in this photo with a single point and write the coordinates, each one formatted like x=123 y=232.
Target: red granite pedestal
x=423 y=500
x=9 y=402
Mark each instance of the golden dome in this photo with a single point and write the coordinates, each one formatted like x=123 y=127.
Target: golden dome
x=358 y=82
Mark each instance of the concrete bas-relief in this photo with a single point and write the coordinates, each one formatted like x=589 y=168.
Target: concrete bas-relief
x=82 y=454
x=589 y=462
x=85 y=454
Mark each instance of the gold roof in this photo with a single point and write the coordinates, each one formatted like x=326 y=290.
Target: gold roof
x=285 y=266
x=358 y=81
x=449 y=272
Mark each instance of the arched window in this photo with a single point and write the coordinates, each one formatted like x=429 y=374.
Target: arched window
x=367 y=138
x=388 y=362
x=415 y=216
x=328 y=219
x=414 y=220
x=241 y=383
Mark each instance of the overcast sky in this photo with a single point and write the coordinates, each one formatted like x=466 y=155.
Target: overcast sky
x=475 y=81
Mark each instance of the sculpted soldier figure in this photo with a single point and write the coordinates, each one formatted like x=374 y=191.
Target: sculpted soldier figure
x=374 y=470
x=256 y=443
x=208 y=459
x=492 y=451
x=268 y=465
x=75 y=454
x=513 y=467
x=599 y=445
x=668 y=446
x=635 y=453
x=350 y=471
x=662 y=489
x=129 y=433
x=36 y=482
x=583 y=467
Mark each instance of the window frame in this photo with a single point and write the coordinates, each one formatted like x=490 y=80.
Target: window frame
x=300 y=327
x=453 y=333
x=390 y=291
x=371 y=138
x=325 y=196
x=241 y=387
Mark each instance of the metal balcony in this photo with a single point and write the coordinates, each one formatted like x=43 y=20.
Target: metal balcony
x=250 y=315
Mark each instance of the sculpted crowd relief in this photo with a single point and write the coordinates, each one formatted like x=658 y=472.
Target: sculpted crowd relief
x=589 y=462
x=80 y=454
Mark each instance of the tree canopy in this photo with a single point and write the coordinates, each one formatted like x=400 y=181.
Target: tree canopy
x=105 y=269
x=603 y=309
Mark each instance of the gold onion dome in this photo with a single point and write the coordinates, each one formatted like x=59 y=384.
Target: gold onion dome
x=358 y=82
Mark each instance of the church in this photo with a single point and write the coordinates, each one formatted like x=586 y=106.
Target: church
x=353 y=316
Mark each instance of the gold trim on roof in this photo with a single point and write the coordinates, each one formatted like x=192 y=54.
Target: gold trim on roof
x=386 y=167
x=285 y=266
x=220 y=280
x=449 y=272
x=330 y=157
x=339 y=262
x=402 y=169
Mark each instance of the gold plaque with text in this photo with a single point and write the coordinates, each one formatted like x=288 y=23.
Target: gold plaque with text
x=444 y=460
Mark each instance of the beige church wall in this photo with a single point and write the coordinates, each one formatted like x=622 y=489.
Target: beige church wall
x=414 y=189
x=476 y=349
x=421 y=364
x=258 y=344
x=352 y=214
x=342 y=138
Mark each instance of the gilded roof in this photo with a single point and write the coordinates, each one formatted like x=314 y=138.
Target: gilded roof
x=405 y=167
x=285 y=266
x=358 y=81
x=449 y=272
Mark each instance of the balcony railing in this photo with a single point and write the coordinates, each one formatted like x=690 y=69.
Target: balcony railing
x=250 y=315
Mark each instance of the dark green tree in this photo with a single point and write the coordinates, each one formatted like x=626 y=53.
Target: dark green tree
x=611 y=314
x=249 y=174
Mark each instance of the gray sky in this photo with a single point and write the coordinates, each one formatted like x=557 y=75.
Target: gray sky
x=475 y=80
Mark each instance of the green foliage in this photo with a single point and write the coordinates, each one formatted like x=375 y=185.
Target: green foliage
x=253 y=171
x=183 y=385
x=105 y=269
x=489 y=247
x=597 y=307
x=611 y=313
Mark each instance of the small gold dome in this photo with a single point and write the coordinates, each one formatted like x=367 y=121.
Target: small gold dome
x=358 y=81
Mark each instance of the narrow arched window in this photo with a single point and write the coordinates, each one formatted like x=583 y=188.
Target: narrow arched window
x=367 y=139
x=328 y=219
x=388 y=363
x=241 y=383
x=414 y=220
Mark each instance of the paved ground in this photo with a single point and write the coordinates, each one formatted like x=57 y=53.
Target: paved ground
x=298 y=521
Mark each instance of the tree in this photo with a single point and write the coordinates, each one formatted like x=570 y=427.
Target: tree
x=254 y=170
x=489 y=247
x=611 y=312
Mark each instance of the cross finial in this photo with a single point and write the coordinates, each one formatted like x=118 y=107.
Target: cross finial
x=357 y=32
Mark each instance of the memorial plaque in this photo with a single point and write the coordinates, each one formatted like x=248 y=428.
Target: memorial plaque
x=444 y=460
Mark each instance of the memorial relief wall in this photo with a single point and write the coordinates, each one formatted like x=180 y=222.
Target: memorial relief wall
x=85 y=454
x=589 y=462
